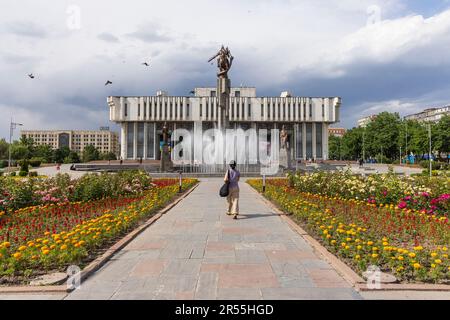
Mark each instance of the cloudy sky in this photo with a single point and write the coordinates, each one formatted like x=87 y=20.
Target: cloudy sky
x=376 y=54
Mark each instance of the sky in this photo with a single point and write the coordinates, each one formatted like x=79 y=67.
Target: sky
x=378 y=55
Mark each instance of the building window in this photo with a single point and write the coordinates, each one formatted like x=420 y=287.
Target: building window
x=243 y=110
x=304 y=110
x=299 y=141
x=213 y=94
x=262 y=110
x=323 y=110
x=139 y=109
x=151 y=141
x=309 y=146
x=150 y=106
x=237 y=94
x=319 y=140
x=207 y=110
x=145 y=109
x=126 y=110
x=130 y=140
x=187 y=110
x=310 y=110
x=249 y=110
x=284 y=111
x=140 y=140
x=279 y=111
x=201 y=111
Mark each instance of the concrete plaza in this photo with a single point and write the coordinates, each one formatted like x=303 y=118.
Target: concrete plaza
x=196 y=251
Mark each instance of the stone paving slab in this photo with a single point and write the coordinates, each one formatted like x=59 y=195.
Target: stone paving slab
x=196 y=251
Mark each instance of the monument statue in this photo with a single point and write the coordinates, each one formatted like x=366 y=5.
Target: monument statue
x=284 y=138
x=166 y=161
x=224 y=63
x=285 y=152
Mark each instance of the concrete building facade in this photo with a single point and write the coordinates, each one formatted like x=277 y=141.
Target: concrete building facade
x=104 y=140
x=306 y=119
x=430 y=115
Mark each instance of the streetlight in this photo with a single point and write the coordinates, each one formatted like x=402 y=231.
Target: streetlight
x=429 y=155
x=12 y=126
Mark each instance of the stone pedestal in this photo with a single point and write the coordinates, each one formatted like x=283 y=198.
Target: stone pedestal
x=223 y=94
x=166 y=163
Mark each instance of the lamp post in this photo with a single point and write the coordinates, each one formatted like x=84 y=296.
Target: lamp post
x=429 y=155
x=12 y=126
x=264 y=183
x=180 y=185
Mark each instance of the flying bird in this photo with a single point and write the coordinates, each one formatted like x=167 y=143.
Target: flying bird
x=192 y=92
x=108 y=82
x=146 y=64
x=31 y=76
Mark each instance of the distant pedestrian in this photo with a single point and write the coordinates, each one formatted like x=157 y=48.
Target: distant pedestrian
x=232 y=177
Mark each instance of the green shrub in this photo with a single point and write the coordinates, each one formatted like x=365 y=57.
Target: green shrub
x=13 y=174
x=35 y=162
x=24 y=165
x=33 y=174
x=3 y=163
x=1 y=173
x=23 y=173
x=435 y=165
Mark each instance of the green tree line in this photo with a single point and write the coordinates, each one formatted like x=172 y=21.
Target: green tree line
x=25 y=149
x=386 y=134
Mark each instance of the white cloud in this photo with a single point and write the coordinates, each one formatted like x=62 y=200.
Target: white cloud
x=318 y=39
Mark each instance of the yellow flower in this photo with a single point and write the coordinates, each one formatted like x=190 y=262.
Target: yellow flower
x=369 y=243
x=433 y=265
x=400 y=258
x=21 y=248
x=6 y=244
x=438 y=261
x=63 y=247
x=374 y=255
x=416 y=265
x=399 y=269
x=45 y=252
x=17 y=255
x=412 y=255
x=434 y=254
x=418 y=248
x=444 y=249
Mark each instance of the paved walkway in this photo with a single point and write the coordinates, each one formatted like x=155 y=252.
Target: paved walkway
x=195 y=251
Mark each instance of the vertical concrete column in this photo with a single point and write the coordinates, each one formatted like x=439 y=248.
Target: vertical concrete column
x=135 y=136
x=314 y=140
x=145 y=140
x=303 y=127
x=325 y=141
x=123 y=140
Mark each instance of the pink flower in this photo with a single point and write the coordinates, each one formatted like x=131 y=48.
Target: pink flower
x=402 y=205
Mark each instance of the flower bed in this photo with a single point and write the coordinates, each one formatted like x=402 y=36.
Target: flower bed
x=410 y=244
x=419 y=193
x=76 y=232
x=16 y=194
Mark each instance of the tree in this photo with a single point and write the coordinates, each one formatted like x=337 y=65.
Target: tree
x=73 y=157
x=351 y=144
x=90 y=153
x=60 y=154
x=381 y=135
x=108 y=156
x=20 y=151
x=4 y=146
x=442 y=135
x=44 y=151
x=334 y=147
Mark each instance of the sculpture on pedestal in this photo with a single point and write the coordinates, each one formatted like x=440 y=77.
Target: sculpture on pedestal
x=285 y=149
x=224 y=63
x=166 y=161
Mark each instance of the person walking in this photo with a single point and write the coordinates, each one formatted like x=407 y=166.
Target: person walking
x=232 y=177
